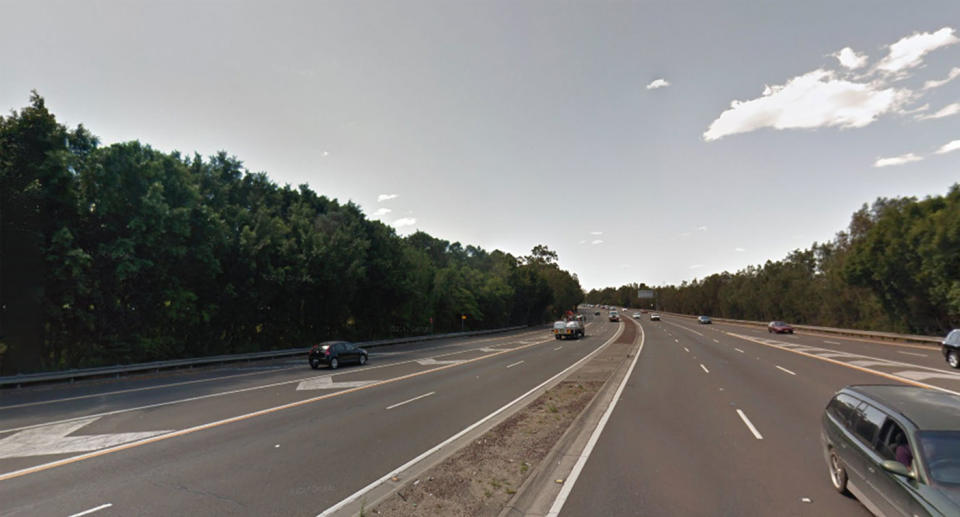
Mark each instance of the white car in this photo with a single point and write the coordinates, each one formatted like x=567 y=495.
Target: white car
x=654 y=316
x=636 y=315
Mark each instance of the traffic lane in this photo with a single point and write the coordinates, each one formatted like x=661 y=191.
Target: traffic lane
x=923 y=355
x=657 y=447
x=19 y=414
x=20 y=449
x=298 y=461
x=887 y=370
x=103 y=387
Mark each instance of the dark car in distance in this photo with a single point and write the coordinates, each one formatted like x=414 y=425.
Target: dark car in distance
x=896 y=448
x=334 y=353
x=951 y=348
x=704 y=320
x=779 y=327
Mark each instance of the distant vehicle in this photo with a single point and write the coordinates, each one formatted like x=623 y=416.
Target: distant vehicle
x=636 y=315
x=779 y=327
x=335 y=353
x=614 y=316
x=644 y=311
x=654 y=316
x=896 y=448
x=569 y=327
x=704 y=320
x=951 y=348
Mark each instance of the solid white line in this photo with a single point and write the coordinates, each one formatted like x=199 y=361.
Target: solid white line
x=831 y=342
x=786 y=370
x=514 y=364
x=359 y=493
x=685 y=349
x=418 y=397
x=738 y=350
x=715 y=341
x=97 y=509
x=749 y=425
x=592 y=442
x=912 y=353
x=558 y=348
x=704 y=368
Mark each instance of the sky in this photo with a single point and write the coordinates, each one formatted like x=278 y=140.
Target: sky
x=649 y=142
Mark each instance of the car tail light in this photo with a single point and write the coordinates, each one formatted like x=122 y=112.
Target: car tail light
x=327 y=351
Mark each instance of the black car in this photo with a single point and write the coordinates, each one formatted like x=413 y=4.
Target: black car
x=896 y=448
x=335 y=353
x=704 y=320
x=951 y=348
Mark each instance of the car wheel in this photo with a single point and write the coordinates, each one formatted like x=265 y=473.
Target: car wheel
x=314 y=362
x=838 y=475
x=953 y=359
x=334 y=363
x=557 y=336
x=363 y=359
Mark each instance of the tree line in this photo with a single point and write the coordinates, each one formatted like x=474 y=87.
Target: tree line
x=122 y=253
x=895 y=268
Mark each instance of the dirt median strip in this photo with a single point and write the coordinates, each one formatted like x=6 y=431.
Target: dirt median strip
x=484 y=476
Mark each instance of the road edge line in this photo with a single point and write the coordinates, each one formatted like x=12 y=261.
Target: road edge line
x=571 y=480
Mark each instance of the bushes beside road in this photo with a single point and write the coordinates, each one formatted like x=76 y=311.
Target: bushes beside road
x=124 y=254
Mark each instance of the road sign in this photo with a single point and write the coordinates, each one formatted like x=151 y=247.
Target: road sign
x=644 y=293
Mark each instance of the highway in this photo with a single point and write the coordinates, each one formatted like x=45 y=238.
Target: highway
x=724 y=419
x=263 y=438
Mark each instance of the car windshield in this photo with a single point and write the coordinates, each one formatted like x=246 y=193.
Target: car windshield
x=941 y=455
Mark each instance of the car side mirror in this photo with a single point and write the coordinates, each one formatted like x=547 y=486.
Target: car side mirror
x=898 y=468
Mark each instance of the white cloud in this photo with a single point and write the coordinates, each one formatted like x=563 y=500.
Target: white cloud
x=897 y=160
x=596 y=233
x=326 y=153
x=946 y=111
x=404 y=221
x=696 y=266
x=909 y=51
x=815 y=99
x=658 y=83
x=583 y=241
x=386 y=197
x=949 y=147
x=684 y=234
x=381 y=212
x=739 y=250
x=596 y=241
x=701 y=228
x=850 y=59
x=954 y=73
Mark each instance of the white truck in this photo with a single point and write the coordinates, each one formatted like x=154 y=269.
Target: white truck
x=569 y=327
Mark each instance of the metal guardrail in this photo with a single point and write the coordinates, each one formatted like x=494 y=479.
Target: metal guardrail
x=887 y=336
x=71 y=375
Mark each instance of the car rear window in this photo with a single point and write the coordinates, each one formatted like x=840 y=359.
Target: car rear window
x=842 y=407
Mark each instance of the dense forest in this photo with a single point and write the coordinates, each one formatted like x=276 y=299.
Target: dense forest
x=122 y=253
x=896 y=268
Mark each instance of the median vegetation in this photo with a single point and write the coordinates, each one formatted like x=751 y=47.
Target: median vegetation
x=123 y=253
x=895 y=268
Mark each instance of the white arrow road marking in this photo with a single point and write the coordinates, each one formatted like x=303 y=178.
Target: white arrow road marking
x=431 y=361
x=326 y=383
x=53 y=439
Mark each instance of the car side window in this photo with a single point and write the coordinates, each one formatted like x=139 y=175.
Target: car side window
x=338 y=347
x=953 y=338
x=842 y=407
x=893 y=444
x=867 y=422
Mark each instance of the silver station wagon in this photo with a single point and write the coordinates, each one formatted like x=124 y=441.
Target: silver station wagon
x=896 y=448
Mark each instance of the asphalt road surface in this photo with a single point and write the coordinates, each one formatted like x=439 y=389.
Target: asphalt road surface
x=725 y=420
x=262 y=438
